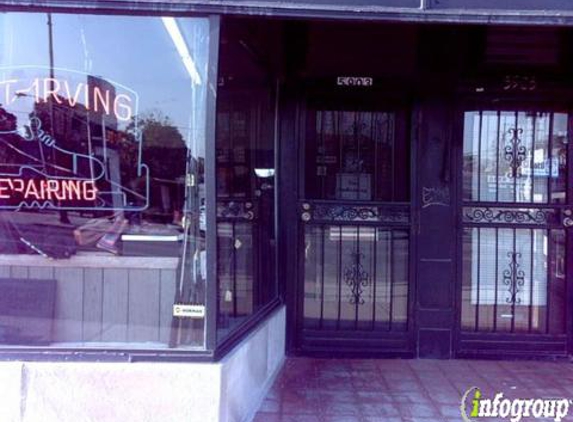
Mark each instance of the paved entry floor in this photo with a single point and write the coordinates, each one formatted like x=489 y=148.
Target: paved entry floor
x=340 y=390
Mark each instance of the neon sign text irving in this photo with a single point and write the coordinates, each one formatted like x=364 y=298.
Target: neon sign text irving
x=94 y=98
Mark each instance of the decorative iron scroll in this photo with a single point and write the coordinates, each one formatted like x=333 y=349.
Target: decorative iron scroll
x=514 y=151
x=514 y=278
x=509 y=215
x=350 y=213
x=356 y=278
x=236 y=210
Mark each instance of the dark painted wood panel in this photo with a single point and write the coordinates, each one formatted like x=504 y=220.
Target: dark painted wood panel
x=434 y=343
x=435 y=284
x=436 y=231
x=436 y=318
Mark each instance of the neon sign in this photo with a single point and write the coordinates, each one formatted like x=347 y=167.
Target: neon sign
x=32 y=192
x=69 y=141
x=91 y=96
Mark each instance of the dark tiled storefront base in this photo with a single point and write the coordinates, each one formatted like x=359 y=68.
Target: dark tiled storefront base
x=322 y=390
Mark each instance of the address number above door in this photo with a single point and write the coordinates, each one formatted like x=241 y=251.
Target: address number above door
x=519 y=83
x=354 y=81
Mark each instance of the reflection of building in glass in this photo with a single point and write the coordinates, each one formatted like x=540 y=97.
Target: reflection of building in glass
x=77 y=137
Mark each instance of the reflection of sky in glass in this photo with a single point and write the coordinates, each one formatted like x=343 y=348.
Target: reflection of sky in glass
x=133 y=51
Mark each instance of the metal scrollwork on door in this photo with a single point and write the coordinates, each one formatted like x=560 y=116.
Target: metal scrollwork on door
x=356 y=278
x=514 y=278
x=509 y=215
x=346 y=213
x=355 y=213
x=514 y=151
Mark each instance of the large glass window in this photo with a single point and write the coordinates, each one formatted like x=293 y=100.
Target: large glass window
x=102 y=187
x=245 y=145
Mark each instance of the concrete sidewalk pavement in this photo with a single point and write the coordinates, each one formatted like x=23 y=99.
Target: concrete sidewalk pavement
x=395 y=390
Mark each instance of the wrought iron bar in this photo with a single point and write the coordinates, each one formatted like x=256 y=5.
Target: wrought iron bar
x=374 y=273
x=515 y=152
x=479 y=156
x=549 y=275
x=532 y=161
x=359 y=168
x=320 y=115
x=391 y=312
x=356 y=277
x=496 y=279
x=375 y=182
x=339 y=276
x=392 y=142
x=512 y=174
x=234 y=234
x=361 y=299
x=497 y=156
x=531 y=273
x=322 y=263
x=514 y=278
x=408 y=296
x=550 y=156
x=478 y=280
x=514 y=284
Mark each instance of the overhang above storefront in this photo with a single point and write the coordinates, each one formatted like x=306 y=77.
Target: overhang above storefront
x=512 y=12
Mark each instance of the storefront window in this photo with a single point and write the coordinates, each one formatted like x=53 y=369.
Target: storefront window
x=102 y=187
x=245 y=167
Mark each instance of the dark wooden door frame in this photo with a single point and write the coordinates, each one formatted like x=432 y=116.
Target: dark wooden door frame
x=292 y=144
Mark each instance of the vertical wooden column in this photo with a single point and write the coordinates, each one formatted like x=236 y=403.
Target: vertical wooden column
x=288 y=215
x=435 y=229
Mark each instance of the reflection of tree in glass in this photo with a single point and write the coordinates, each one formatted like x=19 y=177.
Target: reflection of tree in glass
x=164 y=152
x=158 y=130
x=8 y=123
x=163 y=145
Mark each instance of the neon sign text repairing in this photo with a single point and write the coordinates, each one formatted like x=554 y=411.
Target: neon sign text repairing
x=36 y=190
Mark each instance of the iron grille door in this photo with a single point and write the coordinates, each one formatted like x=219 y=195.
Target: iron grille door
x=515 y=204
x=355 y=233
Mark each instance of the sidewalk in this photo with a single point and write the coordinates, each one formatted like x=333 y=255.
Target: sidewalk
x=323 y=390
